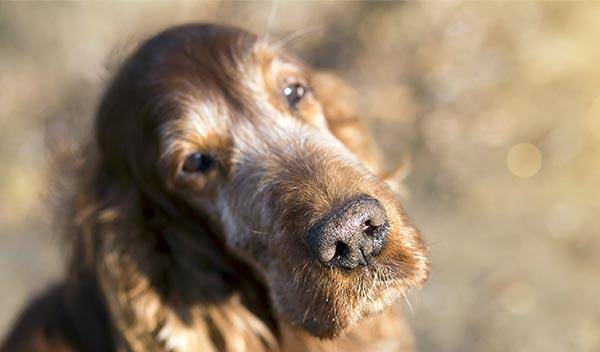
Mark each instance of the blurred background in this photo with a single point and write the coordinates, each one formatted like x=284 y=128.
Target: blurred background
x=497 y=105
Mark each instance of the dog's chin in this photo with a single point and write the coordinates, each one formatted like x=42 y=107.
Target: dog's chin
x=329 y=328
x=330 y=310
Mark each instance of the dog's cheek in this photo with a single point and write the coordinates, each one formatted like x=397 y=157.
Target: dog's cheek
x=238 y=238
x=251 y=247
x=405 y=256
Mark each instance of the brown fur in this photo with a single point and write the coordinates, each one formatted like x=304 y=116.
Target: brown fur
x=172 y=261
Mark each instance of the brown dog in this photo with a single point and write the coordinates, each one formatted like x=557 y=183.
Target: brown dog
x=229 y=202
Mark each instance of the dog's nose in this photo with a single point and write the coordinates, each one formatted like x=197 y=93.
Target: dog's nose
x=350 y=235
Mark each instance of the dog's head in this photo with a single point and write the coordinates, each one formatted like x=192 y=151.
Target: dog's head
x=214 y=120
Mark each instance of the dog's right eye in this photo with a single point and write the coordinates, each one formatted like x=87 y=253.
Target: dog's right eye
x=197 y=162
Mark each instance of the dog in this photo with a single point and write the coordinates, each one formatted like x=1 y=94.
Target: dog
x=230 y=200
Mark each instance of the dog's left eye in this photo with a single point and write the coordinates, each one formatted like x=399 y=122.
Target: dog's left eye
x=294 y=93
x=198 y=162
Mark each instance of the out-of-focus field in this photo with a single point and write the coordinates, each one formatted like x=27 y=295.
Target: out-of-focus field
x=495 y=103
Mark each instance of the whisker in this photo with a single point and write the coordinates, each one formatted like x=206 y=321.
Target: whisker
x=410 y=307
x=294 y=35
x=271 y=18
x=431 y=244
x=260 y=232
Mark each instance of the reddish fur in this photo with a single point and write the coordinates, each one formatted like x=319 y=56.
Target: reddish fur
x=218 y=261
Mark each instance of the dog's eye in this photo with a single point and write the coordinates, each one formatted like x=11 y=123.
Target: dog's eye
x=294 y=93
x=198 y=162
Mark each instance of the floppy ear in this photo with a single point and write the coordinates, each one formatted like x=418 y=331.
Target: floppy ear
x=341 y=110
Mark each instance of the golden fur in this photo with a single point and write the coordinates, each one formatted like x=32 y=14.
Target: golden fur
x=217 y=261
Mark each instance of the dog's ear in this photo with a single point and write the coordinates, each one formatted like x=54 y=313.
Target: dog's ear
x=341 y=110
x=348 y=124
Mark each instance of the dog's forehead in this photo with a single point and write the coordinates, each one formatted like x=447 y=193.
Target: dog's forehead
x=233 y=85
x=237 y=89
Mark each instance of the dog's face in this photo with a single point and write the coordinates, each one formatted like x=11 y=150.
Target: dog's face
x=215 y=119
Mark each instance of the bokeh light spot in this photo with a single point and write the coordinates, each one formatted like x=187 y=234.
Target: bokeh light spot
x=524 y=160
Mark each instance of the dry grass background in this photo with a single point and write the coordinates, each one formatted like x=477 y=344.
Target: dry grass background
x=494 y=102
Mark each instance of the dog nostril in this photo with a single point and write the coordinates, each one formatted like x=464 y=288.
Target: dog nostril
x=369 y=229
x=341 y=250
